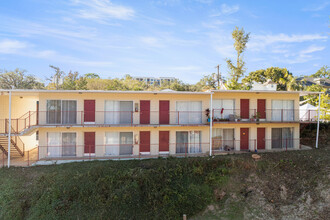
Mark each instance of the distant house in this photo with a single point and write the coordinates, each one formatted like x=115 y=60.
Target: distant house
x=154 y=80
x=308 y=81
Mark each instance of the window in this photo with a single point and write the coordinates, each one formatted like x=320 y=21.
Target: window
x=188 y=142
x=118 y=112
x=189 y=112
x=223 y=108
x=61 y=144
x=223 y=139
x=282 y=110
x=118 y=143
x=282 y=138
x=61 y=112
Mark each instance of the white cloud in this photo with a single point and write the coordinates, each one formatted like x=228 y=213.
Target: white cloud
x=226 y=10
x=259 y=42
x=311 y=49
x=8 y=46
x=317 y=7
x=102 y=10
x=204 y=1
x=150 y=41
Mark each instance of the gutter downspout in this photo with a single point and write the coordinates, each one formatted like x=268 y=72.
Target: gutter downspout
x=211 y=123
x=318 y=123
x=9 y=132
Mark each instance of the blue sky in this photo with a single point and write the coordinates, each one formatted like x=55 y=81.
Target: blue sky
x=184 y=39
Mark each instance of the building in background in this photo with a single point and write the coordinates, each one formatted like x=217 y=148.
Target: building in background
x=155 y=81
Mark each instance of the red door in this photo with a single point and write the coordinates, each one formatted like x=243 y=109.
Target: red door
x=261 y=108
x=164 y=112
x=164 y=141
x=89 y=142
x=145 y=141
x=245 y=107
x=144 y=112
x=89 y=110
x=244 y=138
x=261 y=138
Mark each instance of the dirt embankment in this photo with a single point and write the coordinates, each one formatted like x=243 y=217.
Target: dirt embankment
x=287 y=185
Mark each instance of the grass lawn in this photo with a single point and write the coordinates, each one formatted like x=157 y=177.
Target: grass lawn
x=221 y=187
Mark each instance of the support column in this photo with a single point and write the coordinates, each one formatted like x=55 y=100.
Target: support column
x=211 y=122
x=9 y=131
x=318 y=123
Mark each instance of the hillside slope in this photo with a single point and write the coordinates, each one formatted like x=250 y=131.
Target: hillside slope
x=283 y=185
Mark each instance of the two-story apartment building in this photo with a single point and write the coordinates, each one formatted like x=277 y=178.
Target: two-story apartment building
x=130 y=124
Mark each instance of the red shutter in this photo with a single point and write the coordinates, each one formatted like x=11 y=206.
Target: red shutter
x=89 y=110
x=145 y=141
x=245 y=108
x=145 y=112
x=261 y=138
x=164 y=141
x=261 y=108
x=89 y=142
x=244 y=138
x=164 y=112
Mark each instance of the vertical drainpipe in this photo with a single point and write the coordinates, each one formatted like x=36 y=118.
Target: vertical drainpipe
x=211 y=123
x=318 y=123
x=9 y=131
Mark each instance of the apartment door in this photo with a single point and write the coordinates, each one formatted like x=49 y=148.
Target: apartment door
x=144 y=141
x=244 y=138
x=261 y=108
x=245 y=108
x=145 y=112
x=89 y=111
x=261 y=138
x=164 y=141
x=164 y=112
x=89 y=142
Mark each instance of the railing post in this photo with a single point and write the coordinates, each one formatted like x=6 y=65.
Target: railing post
x=186 y=146
x=131 y=118
x=255 y=145
x=89 y=146
x=17 y=125
x=282 y=115
x=28 y=156
x=81 y=119
x=286 y=144
x=178 y=117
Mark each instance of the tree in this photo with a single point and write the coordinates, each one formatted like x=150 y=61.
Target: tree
x=314 y=100
x=72 y=81
x=323 y=72
x=56 y=80
x=92 y=76
x=17 y=79
x=236 y=72
x=207 y=82
x=284 y=79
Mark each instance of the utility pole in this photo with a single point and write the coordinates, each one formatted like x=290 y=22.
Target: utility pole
x=218 y=75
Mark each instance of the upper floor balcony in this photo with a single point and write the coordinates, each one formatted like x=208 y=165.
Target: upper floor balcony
x=154 y=118
x=104 y=119
x=268 y=115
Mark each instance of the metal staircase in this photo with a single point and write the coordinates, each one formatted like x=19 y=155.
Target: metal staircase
x=16 y=146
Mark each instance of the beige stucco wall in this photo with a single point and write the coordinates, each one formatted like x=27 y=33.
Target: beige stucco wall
x=21 y=104
x=253 y=132
x=101 y=98
x=253 y=97
x=28 y=103
x=100 y=138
